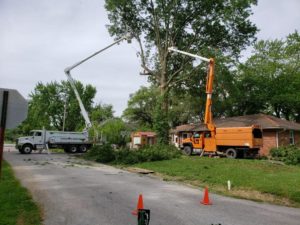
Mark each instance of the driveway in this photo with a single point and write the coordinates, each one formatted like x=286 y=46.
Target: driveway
x=75 y=192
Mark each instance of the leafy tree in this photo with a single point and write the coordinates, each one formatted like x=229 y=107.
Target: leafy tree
x=47 y=102
x=113 y=131
x=269 y=81
x=141 y=106
x=101 y=112
x=193 y=26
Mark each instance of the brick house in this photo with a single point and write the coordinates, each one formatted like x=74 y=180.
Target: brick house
x=276 y=132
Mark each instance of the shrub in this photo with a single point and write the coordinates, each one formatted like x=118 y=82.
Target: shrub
x=278 y=152
x=101 y=153
x=158 y=152
x=126 y=156
x=288 y=154
x=106 y=154
x=149 y=153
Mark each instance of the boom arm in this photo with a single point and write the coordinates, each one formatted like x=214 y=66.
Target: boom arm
x=84 y=113
x=208 y=119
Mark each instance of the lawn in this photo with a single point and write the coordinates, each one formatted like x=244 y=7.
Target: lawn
x=258 y=180
x=16 y=204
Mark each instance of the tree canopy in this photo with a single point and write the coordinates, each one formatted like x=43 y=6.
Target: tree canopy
x=48 y=101
x=269 y=81
x=196 y=26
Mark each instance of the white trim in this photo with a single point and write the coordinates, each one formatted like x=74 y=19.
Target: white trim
x=277 y=141
x=292 y=135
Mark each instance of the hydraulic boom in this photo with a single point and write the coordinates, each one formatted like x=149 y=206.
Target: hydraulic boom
x=84 y=113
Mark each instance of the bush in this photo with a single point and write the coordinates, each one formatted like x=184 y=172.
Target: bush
x=101 y=153
x=149 y=153
x=159 y=152
x=288 y=154
x=126 y=156
x=105 y=154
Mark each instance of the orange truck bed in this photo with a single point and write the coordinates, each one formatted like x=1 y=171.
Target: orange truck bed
x=239 y=136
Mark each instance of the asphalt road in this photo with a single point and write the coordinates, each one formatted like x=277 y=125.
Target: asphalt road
x=73 y=192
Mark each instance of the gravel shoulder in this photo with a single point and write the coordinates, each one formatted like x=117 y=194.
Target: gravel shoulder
x=77 y=192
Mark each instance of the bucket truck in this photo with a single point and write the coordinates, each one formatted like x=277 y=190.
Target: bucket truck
x=70 y=141
x=231 y=141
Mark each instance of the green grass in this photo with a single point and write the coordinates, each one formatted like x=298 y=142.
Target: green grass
x=251 y=179
x=16 y=204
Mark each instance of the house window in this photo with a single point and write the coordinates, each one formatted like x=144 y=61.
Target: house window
x=292 y=137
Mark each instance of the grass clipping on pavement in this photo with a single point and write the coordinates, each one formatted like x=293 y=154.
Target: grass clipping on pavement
x=258 y=180
x=16 y=204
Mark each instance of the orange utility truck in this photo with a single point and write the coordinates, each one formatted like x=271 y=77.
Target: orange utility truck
x=232 y=141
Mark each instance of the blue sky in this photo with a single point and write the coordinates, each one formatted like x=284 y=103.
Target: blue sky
x=39 y=38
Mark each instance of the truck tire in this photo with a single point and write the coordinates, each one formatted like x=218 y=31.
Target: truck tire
x=26 y=149
x=187 y=150
x=231 y=153
x=83 y=148
x=73 y=149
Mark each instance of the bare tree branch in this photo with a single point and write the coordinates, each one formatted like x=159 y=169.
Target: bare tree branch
x=143 y=59
x=183 y=64
x=184 y=77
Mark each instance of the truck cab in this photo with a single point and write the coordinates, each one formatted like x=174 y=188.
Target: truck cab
x=32 y=142
x=193 y=143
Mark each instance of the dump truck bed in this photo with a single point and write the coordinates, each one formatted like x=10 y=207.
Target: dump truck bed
x=239 y=136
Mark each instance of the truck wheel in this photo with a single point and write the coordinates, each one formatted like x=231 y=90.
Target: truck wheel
x=73 y=149
x=187 y=150
x=26 y=149
x=83 y=148
x=21 y=151
x=231 y=153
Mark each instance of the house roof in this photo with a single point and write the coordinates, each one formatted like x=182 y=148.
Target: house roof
x=265 y=121
x=145 y=133
x=185 y=127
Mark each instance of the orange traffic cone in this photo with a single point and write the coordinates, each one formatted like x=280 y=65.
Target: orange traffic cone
x=205 y=200
x=140 y=205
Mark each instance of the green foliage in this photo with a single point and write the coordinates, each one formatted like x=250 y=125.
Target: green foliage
x=140 y=107
x=184 y=23
x=46 y=106
x=101 y=153
x=113 y=131
x=17 y=206
x=147 y=154
x=126 y=156
x=161 y=125
x=261 y=176
x=101 y=112
x=159 y=152
x=105 y=154
x=12 y=134
x=269 y=81
x=206 y=26
x=288 y=154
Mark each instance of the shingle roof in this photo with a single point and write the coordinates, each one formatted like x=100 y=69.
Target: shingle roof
x=265 y=121
x=145 y=133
